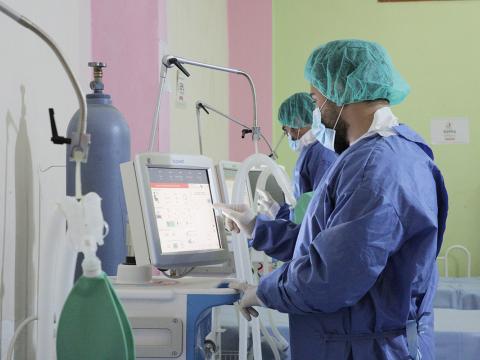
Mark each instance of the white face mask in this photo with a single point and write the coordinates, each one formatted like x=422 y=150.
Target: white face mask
x=324 y=135
x=294 y=144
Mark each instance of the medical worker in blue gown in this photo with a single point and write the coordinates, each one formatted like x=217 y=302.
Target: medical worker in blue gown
x=314 y=159
x=295 y=116
x=359 y=282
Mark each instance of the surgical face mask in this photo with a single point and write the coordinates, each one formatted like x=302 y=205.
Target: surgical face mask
x=324 y=135
x=294 y=144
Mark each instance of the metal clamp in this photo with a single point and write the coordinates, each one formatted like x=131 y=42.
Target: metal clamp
x=80 y=146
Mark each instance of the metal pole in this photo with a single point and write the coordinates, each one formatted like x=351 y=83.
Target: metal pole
x=210 y=107
x=168 y=61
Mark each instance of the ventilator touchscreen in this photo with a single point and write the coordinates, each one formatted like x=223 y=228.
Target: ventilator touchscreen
x=184 y=214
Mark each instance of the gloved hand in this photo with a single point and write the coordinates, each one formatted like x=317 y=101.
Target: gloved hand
x=249 y=299
x=267 y=205
x=238 y=217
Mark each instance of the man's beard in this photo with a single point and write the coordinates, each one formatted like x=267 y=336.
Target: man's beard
x=341 y=142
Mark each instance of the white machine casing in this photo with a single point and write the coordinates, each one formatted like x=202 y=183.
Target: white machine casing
x=158 y=313
x=143 y=226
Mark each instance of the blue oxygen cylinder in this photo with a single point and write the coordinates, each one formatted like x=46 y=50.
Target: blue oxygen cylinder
x=110 y=146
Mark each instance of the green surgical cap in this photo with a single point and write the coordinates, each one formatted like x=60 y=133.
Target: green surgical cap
x=296 y=111
x=350 y=71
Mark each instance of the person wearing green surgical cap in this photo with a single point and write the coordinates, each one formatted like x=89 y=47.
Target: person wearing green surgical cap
x=314 y=160
x=354 y=76
x=352 y=71
x=360 y=279
x=295 y=116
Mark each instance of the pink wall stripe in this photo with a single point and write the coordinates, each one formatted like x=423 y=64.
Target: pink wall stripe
x=250 y=49
x=126 y=35
x=164 y=121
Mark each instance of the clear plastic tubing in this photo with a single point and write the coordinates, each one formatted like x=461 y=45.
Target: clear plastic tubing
x=240 y=245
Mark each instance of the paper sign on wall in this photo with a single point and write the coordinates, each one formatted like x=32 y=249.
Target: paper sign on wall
x=450 y=131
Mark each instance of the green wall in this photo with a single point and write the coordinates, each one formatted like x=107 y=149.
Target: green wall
x=436 y=47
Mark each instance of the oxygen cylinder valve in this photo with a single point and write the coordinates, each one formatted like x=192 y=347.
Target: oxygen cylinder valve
x=97 y=84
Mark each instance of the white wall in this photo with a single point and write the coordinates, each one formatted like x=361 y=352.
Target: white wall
x=31 y=81
x=198 y=30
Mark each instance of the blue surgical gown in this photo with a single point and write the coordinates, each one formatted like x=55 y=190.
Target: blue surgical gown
x=364 y=261
x=312 y=163
x=271 y=236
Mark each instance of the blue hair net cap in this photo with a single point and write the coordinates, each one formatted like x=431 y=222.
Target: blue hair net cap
x=296 y=111
x=350 y=71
